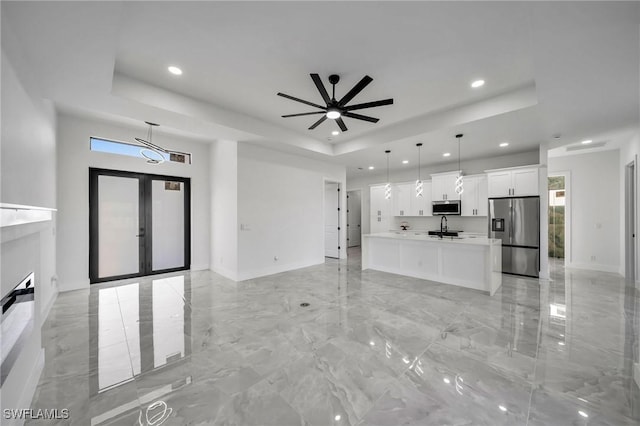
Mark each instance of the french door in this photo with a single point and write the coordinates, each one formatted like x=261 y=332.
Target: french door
x=139 y=224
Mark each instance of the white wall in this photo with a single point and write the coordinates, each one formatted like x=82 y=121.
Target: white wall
x=224 y=208
x=74 y=159
x=28 y=177
x=470 y=167
x=594 y=195
x=280 y=210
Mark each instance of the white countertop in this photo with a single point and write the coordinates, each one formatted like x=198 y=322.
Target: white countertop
x=423 y=236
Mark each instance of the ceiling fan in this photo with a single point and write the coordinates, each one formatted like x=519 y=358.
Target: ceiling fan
x=335 y=109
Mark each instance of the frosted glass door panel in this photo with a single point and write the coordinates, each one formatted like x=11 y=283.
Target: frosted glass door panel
x=167 y=224
x=118 y=226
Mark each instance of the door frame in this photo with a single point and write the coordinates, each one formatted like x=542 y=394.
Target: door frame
x=567 y=213
x=145 y=217
x=630 y=225
x=326 y=181
x=359 y=190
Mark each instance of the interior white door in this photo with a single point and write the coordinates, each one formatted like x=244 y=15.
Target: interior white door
x=354 y=201
x=331 y=220
x=167 y=224
x=118 y=226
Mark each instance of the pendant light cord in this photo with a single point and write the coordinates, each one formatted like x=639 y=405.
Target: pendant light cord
x=418 y=162
x=459 y=170
x=388 y=165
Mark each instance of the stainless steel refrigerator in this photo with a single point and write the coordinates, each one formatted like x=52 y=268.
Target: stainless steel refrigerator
x=516 y=221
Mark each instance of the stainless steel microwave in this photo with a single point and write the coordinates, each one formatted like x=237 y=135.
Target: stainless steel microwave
x=446 y=207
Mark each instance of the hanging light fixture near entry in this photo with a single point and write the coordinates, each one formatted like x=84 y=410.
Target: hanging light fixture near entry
x=156 y=154
x=153 y=153
x=419 y=181
x=387 y=187
x=459 y=182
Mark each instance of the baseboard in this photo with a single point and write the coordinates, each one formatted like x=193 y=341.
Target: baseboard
x=276 y=269
x=78 y=285
x=45 y=313
x=199 y=267
x=593 y=267
x=227 y=273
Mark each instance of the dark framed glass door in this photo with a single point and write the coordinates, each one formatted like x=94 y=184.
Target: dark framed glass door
x=139 y=224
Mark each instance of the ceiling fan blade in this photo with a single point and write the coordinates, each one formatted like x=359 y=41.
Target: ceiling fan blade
x=301 y=100
x=314 y=125
x=321 y=88
x=303 y=113
x=360 y=117
x=341 y=124
x=369 y=105
x=355 y=90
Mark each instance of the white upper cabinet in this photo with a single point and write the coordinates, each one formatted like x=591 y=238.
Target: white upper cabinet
x=421 y=206
x=525 y=182
x=405 y=202
x=474 y=197
x=518 y=181
x=443 y=186
x=402 y=199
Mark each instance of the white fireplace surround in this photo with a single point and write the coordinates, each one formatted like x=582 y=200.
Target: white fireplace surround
x=23 y=230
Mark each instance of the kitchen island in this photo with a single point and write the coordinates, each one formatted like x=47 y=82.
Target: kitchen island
x=472 y=262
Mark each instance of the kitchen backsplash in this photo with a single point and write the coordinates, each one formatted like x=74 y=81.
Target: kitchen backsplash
x=457 y=223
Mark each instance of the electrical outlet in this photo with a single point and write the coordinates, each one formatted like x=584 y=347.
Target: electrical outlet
x=593 y=258
x=598 y=225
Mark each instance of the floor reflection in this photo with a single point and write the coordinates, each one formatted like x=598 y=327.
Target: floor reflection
x=369 y=348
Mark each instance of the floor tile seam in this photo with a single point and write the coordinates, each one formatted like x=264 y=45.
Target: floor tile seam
x=431 y=343
x=127 y=342
x=535 y=367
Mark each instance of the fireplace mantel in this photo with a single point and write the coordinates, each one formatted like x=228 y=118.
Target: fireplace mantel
x=17 y=220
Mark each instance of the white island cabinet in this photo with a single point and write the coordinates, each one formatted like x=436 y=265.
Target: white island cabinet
x=467 y=262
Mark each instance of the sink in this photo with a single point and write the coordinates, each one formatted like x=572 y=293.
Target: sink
x=445 y=233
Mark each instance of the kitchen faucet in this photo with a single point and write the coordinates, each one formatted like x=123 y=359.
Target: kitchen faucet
x=443 y=227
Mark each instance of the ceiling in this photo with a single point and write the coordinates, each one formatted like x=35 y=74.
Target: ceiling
x=568 y=68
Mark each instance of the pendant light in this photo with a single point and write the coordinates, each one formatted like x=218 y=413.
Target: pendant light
x=387 y=187
x=419 y=181
x=153 y=153
x=459 y=183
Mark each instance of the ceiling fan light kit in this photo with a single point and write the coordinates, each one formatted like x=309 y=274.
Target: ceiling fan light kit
x=334 y=109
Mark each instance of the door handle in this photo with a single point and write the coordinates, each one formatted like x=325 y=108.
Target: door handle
x=140 y=235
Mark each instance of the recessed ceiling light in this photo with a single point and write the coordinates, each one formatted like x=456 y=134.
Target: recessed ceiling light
x=587 y=142
x=503 y=144
x=477 y=83
x=335 y=133
x=502 y=408
x=405 y=161
x=446 y=380
x=446 y=154
x=337 y=417
x=561 y=343
x=175 y=70
x=583 y=414
x=371 y=167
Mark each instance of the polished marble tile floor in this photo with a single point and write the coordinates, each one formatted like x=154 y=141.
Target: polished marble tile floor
x=371 y=348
